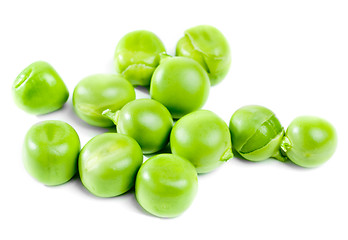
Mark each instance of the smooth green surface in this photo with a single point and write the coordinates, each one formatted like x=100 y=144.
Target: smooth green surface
x=180 y=84
x=50 y=152
x=145 y=120
x=108 y=164
x=96 y=93
x=309 y=141
x=38 y=89
x=208 y=46
x=256 y=133
x=203 y=138
x=166 y=185
x=137 y=56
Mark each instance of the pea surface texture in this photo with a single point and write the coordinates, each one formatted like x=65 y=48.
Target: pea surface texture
x=145 y=120
x=208 y=46
x=166 y=185
x=96 y=93
x=108 y=164
x=50 y=152
x=256 y=133
x=137 y=55
x=203 y=138
x=38 y=89
x=180 y=84
x=309 y=141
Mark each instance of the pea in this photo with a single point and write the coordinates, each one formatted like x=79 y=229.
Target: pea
x=108 y=164
x=99 y=92
x=145 y=120
x=38 y=89
x=166 y=185
x=256 y=133
x=208 y=46
x=309 y=141
x=137 y=56
x=180 y=84
x=50 y=152
x=202 y=138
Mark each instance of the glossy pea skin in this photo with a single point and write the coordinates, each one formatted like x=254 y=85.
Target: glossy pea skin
x=137 y=56
x=208 y=46
x=38 y=89
x=166 y=185
x=96 y=93
x=108 y=164
x=309 y=141
x=50 y=152
x=256 y=133
x=147 y=121
x=203 y=138
x=181 y=85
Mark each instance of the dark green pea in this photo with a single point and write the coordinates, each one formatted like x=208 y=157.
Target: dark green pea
x=145 y=120
x=39 y=89
x=96 y=93
x=208 y=46
x=256 y=133
x=137 y=56
x=309 y=141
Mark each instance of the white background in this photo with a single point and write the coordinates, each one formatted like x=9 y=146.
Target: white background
x=290 y=56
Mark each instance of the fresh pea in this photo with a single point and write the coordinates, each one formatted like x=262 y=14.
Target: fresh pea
x=99 y=92
x=38 y=89
x=145 y=120
x=208 y=46
x=137 y=56
x=108 y=164
x=256 y=133
x=309 y=141
x=203 y=138
x=180 y=84
x=166 y=185
x=50 y=152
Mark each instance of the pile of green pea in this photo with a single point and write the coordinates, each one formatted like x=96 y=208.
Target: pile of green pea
x=110 y=164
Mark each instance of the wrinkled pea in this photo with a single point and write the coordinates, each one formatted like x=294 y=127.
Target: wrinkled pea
x=137 y=56
x=38 y=89
x=208 y=46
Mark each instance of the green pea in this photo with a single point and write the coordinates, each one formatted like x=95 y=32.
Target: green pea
x=50 y=152
x=38 y=89
x=309 y=141
x=208 y=46
x=256 y=133
x=99 y=92
x=202 y=138
x=180 y=84
x=145 y=120
x=137 y=56
x=166 y=185
x=108 y=164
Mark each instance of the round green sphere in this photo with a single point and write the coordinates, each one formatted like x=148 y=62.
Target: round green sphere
x=38 y=89
x=181 y=85
x=166 y=185
x=208 y=46
x=309 y=141
x=108 y=164
x=147 y=121
x=203 y=138
x=256 y=133
x=96 y=93
x=50 y=152
x=137 y=55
